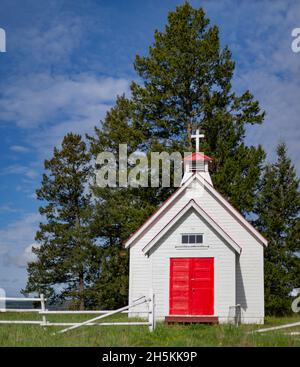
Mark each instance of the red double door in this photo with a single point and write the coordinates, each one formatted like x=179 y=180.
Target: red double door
x=192 y=286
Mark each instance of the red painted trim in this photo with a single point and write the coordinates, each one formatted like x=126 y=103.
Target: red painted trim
x=197 y=156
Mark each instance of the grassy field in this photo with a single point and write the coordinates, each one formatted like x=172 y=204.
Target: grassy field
x=172 y=335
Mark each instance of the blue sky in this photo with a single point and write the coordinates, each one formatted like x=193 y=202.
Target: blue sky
x=67 y=60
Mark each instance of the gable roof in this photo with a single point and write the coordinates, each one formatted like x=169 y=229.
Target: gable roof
x=213 y=192
x=254 y=232
x=204 y=215
x=156 y=214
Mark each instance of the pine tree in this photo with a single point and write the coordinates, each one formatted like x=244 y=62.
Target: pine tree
x=277 y=209
x=185 y=84
x=66 y=250
x=118 y=211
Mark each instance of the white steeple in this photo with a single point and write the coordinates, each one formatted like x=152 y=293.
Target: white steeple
x=196 y=163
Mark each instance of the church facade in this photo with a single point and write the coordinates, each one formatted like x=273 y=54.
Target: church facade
x=198 y=255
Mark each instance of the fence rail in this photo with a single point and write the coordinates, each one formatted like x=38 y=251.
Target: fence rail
x=149 y=301
x=40 y=300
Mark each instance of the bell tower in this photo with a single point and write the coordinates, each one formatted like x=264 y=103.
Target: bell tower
x=197 y=162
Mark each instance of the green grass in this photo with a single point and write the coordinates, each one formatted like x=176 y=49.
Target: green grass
x=164 y=335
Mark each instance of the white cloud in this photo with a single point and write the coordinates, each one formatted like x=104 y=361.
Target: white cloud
x=17 y=169
x=40 y=99
x=267 y=67
x=15 y=251
x=14 y=239
x=51 y=106
x=23 y=258
x=9 y=208
x=19 y=149
x=20 y=232
x=259 y=34
x=51 y=40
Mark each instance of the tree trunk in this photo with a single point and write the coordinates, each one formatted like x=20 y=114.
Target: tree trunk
x=189 y=133
x=81 y=272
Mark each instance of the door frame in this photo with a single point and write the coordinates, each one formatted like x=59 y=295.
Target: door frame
x=214 y=282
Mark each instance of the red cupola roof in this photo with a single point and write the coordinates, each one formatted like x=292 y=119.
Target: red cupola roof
x=197 y=156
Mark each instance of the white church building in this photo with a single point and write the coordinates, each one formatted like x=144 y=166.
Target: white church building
x=203 y=260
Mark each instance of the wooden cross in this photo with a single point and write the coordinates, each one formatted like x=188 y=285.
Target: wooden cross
x=197 y=136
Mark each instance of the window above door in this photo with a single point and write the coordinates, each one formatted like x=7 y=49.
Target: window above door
x=191 y=239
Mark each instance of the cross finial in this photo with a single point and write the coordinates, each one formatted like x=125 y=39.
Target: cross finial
x=197 y=136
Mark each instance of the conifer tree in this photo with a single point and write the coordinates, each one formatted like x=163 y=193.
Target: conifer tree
x=278 y=209
x=66 y=251
x=185 y=83
x=119 y=210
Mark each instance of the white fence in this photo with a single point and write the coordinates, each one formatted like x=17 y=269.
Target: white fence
x=148 y=301
x=42 y=308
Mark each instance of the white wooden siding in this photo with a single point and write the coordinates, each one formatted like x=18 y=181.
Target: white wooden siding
x=250 y=278
x=224 y=264
x=237 y=279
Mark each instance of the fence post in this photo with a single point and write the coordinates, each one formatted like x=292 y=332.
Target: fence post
x=238 y=315
x=43 y=309
x=151 y=311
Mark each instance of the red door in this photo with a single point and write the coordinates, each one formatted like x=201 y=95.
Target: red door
x=192 y=286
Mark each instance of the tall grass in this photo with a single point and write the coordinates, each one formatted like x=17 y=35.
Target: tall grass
x=164 y=335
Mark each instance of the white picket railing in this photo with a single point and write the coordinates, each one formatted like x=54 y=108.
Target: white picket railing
x=149 y=301
x=42 y=308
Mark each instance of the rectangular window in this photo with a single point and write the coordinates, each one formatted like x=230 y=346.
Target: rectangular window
x=185 y=239
x=199 y=238
x=192 y=239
